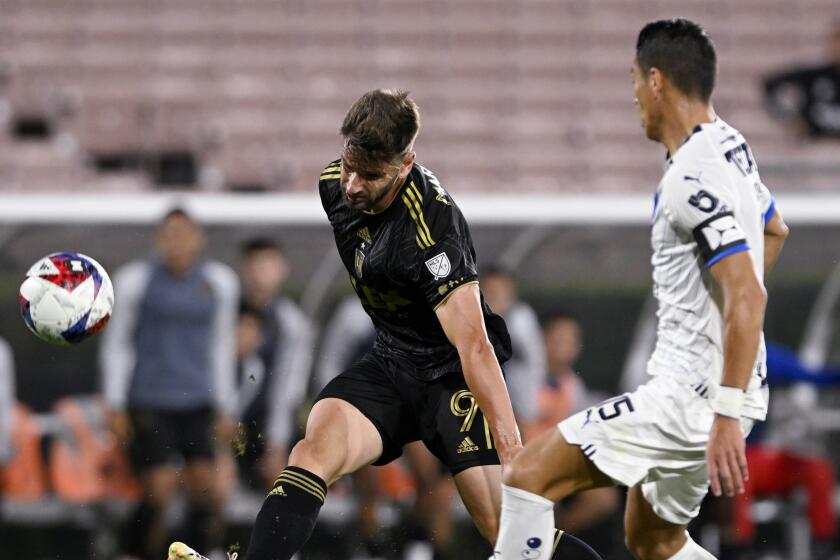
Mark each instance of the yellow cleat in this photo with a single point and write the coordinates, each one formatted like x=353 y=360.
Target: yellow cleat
x=178 y=550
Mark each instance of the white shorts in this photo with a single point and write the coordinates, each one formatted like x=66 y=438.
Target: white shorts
x=655 y=436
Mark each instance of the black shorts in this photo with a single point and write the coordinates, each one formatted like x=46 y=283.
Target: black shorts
x=163 y=437
x=442 y=413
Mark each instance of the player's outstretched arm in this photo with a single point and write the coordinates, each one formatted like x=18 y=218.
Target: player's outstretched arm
x=463 y=322
x=775 y=233
x=744 y=300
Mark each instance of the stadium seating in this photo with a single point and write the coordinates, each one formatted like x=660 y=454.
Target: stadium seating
x=523 y=95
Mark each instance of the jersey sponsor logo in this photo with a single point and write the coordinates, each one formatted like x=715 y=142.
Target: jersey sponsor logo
x=439 y=266
x=467 y=446
x=693 y=179
x=702 y=200
x=360 y=261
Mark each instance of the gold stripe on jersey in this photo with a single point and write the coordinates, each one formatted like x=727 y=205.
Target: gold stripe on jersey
x=414 y=193
x=332 y=171
x=421 y=240
x=414 y=203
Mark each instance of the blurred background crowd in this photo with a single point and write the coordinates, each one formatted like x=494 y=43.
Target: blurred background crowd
x=177 y=418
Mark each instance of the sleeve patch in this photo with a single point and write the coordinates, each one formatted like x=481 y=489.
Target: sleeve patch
x=717 y=235
x=439 y=266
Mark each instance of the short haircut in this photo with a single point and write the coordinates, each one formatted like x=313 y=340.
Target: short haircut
x=380 y=126
x=683 y=51
x=496 y=269
x=254 y=244
x=176 y=212
x=557 y=315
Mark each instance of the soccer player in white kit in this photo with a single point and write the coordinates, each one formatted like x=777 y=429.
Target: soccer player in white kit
x=715 y=233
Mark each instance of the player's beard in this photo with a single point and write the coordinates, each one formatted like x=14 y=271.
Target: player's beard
x=369 y=202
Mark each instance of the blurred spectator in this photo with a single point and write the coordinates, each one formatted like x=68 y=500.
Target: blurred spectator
x=271 y=403
x=7 y=401
x=591 y=515
x=168 y=372
x=525 y=371
x=810 y=96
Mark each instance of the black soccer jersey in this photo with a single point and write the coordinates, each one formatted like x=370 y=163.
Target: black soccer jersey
x=404 y=262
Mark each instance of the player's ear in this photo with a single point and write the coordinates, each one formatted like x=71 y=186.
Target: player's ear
x=407 y=162
x=655 y=80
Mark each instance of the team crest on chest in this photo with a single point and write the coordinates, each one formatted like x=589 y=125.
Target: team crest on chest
x=439 y=266
x=360 y=261
x=364 y=233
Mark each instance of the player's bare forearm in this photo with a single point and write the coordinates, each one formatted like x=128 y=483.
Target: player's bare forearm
x=484 y=379
x=743 y=317
x=775 y=234
x=463 y=322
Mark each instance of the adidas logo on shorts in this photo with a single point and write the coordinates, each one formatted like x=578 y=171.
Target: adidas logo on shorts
x=467 y=445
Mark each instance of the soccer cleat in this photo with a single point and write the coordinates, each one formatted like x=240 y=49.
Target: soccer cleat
x=565 y=543
x=179 y=550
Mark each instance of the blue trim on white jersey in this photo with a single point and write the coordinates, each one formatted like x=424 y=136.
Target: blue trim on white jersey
x=730 y=251
x=770 y=211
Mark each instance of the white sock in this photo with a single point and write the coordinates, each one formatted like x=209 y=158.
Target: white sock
x=526 y=529
x=692 y=551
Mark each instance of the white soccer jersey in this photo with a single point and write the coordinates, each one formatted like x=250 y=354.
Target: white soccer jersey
x=710 y=204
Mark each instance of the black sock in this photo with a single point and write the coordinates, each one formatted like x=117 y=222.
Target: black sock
x=287 y=516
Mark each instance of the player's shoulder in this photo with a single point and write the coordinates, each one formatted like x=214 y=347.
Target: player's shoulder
x=328 y=183
x=134 y=272
x=428 y=188
x=331 y=172
x=221 y=275
x=429 y=207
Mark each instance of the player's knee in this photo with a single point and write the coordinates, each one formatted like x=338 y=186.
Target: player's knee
x=316 y=458
x=643 y=547
x=520 y=474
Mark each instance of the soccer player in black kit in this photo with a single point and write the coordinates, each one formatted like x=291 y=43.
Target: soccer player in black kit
x=433 y=373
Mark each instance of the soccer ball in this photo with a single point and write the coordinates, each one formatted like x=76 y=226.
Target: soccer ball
x=66 y=298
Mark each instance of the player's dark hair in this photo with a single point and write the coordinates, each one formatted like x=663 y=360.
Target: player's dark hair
x=255 y=244
x=497 y=269
x=380 y=126
x=683 y=51
x=176 y=212
x=559 y=314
